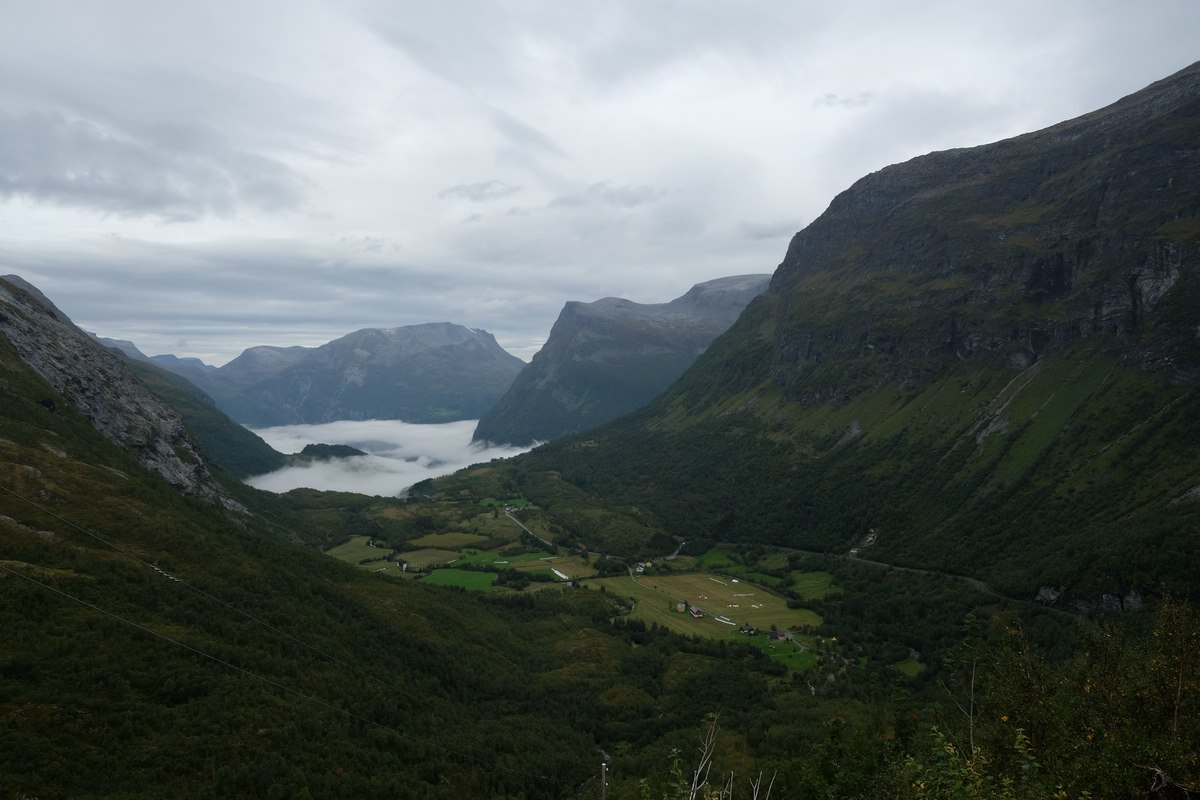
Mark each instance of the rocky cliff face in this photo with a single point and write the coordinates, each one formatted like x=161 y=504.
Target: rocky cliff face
x=97 y=382
x=1019 y=247
x=607 y=358
x=436 y=372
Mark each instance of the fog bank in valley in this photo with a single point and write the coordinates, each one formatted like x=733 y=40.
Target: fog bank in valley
x=398 y=455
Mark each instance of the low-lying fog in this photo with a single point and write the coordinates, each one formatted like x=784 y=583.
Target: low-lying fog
x=399 y=455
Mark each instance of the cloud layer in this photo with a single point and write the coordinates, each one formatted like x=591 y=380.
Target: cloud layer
x=399 y=455
x=200 y=178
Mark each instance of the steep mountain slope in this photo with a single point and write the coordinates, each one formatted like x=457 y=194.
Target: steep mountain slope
x=984 y=361
x=606 y=358
x=435 y=372
x=237 y=451
x=98 y=381
x=154 y=647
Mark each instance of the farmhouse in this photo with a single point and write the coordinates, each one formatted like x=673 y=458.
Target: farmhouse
x=695 y=612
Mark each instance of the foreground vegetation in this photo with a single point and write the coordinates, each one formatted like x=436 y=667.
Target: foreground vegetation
x=156 y=647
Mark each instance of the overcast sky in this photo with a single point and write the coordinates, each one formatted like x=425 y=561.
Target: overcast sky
x=200 y=177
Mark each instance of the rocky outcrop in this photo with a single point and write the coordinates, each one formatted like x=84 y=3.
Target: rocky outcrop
x=97 y=382
x=1020 y=247
x=607 y=358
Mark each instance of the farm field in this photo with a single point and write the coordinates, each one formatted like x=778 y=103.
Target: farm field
x=448 y=541
x=491 y=558
x=813 y=585
x=419 y=559
x=488 y=526
x=572 y=566
x=355 y=550
x=465 y=579
x=655 y=607
x=719 y=596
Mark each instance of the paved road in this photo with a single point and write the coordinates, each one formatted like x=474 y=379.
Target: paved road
x=551 y=545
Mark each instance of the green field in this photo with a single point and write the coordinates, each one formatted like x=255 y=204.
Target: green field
x=571 y=566
x=736 y=601
x=462 y=578
x=719 y=596
x=490 y=558
x=813 y=585
x=492 y=502
x=715 y=559
x=357 y=549
x=909 y=667
x=448 y=541
x=419 y=559
x=496 y=527
x=792 y=655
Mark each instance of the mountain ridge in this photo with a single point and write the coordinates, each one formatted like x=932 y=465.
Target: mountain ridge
x=98 y=382
x=987 y=357
x=608 y=357
x=429 y=372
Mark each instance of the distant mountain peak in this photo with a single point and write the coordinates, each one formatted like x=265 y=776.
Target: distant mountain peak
x=611 y=356
x=428 y=372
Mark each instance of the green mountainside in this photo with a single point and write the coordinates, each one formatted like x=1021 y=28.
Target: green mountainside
x=161 y=641
x=237 y=451
x=983 y=361
x=157 y=645
x=607 y=358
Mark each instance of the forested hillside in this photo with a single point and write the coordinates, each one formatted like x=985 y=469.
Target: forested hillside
x=982 y=361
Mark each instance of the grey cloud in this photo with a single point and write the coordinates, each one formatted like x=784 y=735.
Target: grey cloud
x=522 y=133
x=831 y=100
x=480 y=192
x=49 y=157
x=605 y=194
x=769 y=230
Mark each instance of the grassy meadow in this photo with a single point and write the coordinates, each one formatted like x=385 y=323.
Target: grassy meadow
x=741 y=603
x=462 y=578
x=356 y=550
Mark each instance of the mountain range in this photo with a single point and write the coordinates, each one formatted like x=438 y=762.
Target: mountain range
x=984 y=361
x=607 y=358
x=433 y=372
